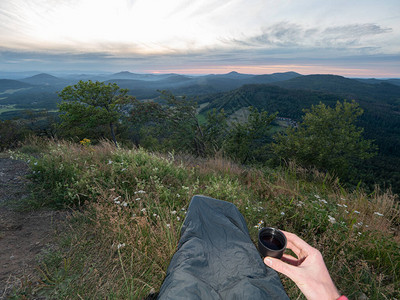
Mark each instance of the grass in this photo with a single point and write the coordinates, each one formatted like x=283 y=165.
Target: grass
x=130 y=205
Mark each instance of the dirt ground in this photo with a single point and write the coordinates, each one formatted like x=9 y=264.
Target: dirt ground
x=23 y=235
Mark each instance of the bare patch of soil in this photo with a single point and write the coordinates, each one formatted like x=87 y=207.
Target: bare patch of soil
x=23 y=235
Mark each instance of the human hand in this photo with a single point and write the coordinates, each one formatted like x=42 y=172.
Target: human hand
x=308 y=270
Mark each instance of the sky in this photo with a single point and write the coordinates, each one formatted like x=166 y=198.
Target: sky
x=353 y=38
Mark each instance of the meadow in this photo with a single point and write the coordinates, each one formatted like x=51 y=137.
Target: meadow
x=128 y=206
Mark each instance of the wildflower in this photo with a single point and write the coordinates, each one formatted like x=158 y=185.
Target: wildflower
x=35 y=163
x=300 y=203
x=282 y=213
x=378 y=214
x=178 y=195
x=109 y=162
x=247 y=207
x=356 y=212
x=124 y=204
x=173 y=212
x=120 y=245
x=133 y=215
x=331 y=219
x=137 y=199
x=346 y=211
x=140 y=192
x=178 y=218
x=340 y=205
x=155 y=215
x=317 y=196
x=169 y=225
x=342 y=199
x=359 y=233
x=117 y=202
x=143 y=210
x=124 y=169
x=344 y=205
x=259 y=224
x=115 y=199
x=323 y=201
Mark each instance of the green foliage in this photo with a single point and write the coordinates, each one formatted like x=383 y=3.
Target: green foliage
x=92 y=109
x=11 y=134
x=327 y=138
x=248 y=142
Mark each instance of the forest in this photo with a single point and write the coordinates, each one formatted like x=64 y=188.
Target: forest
x=206 y=115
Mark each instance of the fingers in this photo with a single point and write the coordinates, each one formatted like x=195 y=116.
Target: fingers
x=280 y=266
x=297 y=245
x=291 y=260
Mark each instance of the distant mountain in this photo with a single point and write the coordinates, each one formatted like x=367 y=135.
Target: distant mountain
x=345 y=87
x=43 y=79
x=9 y=84
x=270 y=78
x=394 y=81
x=144 y=77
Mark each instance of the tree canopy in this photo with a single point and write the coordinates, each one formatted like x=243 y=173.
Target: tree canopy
x=92 y=109
x=326 y=138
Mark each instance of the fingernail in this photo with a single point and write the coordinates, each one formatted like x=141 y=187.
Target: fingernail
x=268 y=261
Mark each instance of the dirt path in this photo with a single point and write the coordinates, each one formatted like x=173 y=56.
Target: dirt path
x=23 y=235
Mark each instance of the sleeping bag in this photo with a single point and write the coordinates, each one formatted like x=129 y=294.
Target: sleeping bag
x=216 y=258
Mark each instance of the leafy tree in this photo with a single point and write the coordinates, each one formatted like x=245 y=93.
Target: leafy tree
x=249 y=141
x=12 y=133
x=93 y=109
x=327 y=138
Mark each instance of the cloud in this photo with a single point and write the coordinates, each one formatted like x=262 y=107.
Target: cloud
x=295 y=36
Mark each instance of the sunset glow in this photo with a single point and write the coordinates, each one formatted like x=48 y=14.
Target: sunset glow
x=202 y=36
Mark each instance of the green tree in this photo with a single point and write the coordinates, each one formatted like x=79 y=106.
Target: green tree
x=327 y=138
x=248 y=141
x=93 y=109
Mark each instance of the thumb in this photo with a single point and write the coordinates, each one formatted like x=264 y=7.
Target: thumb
x=280 y=266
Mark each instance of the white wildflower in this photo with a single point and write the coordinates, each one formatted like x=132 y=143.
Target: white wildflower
x=124 y=169
x=178 y=218
x=140 y=192
x=359 y=233
x=346 y=211
x=143 y=210
x=155 y=215
x=117 y=202
x=133 y=215
x=137 y=199
x=317 y=196
x=173 y=212
x=344 y=205
x=323 y=201
x=343 y=199
x=115 y=199
x=331 y=219
x=35 y=163
x=120 y=245
x=378 y=214
x=338 y=204
x=169 y=225
x=282 y=213
x=109 y=162
x=124 y=204
x=356 y=212
x=178 y=195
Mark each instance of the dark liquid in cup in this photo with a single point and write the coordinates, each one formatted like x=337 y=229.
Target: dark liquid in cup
x=270 y=242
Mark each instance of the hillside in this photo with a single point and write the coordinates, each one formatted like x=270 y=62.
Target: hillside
x=381 y=118
x=9 y=84
x=135 y=203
